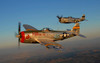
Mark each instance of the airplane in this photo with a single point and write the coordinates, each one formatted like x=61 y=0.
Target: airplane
x=45 y=36
x=71 y=19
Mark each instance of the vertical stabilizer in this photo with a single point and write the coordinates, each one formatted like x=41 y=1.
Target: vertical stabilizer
x=76 y=29
x=83 y=17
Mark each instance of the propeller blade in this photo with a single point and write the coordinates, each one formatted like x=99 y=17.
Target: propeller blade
x=19 y=27
x=18 y=42
x=19 y=34
x=58 y=17
x=19 y=30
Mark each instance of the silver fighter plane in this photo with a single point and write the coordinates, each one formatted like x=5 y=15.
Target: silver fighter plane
x=45 y=36
x=70 y=19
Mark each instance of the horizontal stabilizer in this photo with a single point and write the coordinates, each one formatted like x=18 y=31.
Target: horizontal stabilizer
x=82 y=35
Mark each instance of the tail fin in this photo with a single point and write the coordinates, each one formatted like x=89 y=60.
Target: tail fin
x=83 y=17
x=76 y=29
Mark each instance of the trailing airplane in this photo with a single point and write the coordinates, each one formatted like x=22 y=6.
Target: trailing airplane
x=45 y=36
x=71 y=19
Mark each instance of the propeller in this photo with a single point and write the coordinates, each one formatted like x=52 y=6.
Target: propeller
x=19 y=34
x=19 y=29
x=59 y=17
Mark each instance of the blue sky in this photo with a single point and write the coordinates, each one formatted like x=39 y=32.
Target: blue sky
x=42 y=13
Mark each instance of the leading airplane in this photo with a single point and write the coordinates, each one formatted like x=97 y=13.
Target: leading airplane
x=45 y=36
x=70 y=19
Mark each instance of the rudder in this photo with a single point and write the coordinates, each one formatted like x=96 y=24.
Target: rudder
x=76 y=29
x=83 y=17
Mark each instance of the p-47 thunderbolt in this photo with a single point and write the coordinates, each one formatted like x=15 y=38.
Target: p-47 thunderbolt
x=70 y=19
x=45 y=36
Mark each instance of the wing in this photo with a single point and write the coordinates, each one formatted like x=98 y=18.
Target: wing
x=49 y=43
x=29 y=28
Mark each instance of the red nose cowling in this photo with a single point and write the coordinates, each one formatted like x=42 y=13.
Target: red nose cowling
x=22 y=37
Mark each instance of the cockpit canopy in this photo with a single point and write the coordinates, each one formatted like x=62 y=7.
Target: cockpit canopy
x=69 y=16
x=46 y=29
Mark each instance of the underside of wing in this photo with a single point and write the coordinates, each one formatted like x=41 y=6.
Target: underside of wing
x=29 y=28
x=49 y=43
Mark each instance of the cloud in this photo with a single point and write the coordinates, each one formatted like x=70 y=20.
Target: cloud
x=34 y=54
x=72 y=56
x=84 y=56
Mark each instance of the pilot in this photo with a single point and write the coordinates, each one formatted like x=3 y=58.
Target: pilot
x=46 y=29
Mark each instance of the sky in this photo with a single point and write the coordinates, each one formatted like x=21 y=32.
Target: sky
x=43 y=13
x=40 y=14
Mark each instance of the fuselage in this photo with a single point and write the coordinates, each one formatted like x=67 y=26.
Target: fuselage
x=70 y=20
x=31 y=36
